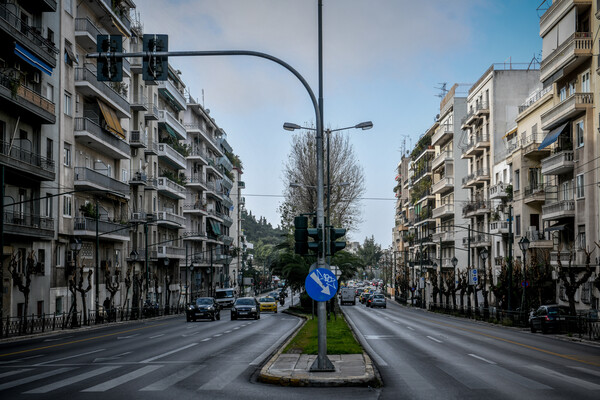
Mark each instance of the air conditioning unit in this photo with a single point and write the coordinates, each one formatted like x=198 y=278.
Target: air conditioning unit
x=161 y=251
x=36 y=77
x=137 y=216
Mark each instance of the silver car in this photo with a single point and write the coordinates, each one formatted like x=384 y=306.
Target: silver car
x=378 y=301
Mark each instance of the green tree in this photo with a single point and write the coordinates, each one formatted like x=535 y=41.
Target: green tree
x=370 y=252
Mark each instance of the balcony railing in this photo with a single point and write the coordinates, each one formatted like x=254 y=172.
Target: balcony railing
x=447 y=182
x=165 y=117
x=138 y=139
x=558 y=163
x=498 y=227
x=27 y=161
x=561 y=208
x=498 y=191
x=168 y=186
x=167 y=216
x=573 y=105
x=19 y=223
x=171 y=156
x=33 y=101
x=170 y=91
x=89 y=177
x=87 y=227
x=87 y=74
x=100 y=139
x=445 y=209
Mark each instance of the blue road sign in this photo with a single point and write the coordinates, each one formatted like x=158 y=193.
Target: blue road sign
x=321 y=284
x=473 y=277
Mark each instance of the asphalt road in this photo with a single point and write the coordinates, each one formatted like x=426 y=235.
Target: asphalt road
x=423 y=355
x=161 y=359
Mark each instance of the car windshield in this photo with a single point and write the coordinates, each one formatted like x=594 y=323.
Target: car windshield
x=224 y=294
x=558 y=310
x=244 y=302
x=203 y=302
x=267 y=300
x=378 y=296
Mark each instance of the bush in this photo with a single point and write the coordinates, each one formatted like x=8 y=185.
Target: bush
x=507 y=322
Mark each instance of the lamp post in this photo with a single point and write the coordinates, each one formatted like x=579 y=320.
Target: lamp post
x=75 y=246
x=524 y=246
x=435 y=266
x=454 y=262
x=484 y=256
x=133 y=256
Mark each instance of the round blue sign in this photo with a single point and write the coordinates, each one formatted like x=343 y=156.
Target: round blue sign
x=321 y=284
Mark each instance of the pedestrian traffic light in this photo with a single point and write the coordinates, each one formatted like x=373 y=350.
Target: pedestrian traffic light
x=317 y=244
x=155 y=68
x=109 y=67
x=301 y=235
x=335 y=233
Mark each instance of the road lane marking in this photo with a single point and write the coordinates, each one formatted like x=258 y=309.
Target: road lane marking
x=54 y=340
x=586 y=371
x=69 y=381
x=33 y=378
x=127 y=337
x=14 y=372
x=482 y=359
x=259 y=360
x=103 y=387
x=206 y=340
x=380 y=361
x=227 y=331
x=168 y=353
x=80 y=340
x=236 y=328
x=172 y=379
x=217 y=335
x=575 y=381
x=190 y=334
x=434 y=339
x=155 y=336
x=69 y=357
x=101 y=359
x=223 y=379
x=411 y=328
x=372 y=337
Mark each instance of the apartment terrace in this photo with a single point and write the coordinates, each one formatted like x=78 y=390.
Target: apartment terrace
x=171 y=156
x=89 y=133
x=575 y=104
x=87 y=83
x=443 y=134
x=498 y=191
x=444 y=185
x=170 y=188
x=27 y=99
x=85 y=227
x=91 y=180
x=573 y=52
x=442 y=158
x=170 y=123
x=24 y=224
x=444 y=210
x=558 y=163
x=558 y=209
x=138 y=139
x=27 y=162
x=534 y=194
x=170 y=219
x=498 y=227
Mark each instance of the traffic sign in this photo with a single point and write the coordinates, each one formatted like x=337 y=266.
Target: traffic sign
x=525 y=283
x=321 y=284
x=473 y=276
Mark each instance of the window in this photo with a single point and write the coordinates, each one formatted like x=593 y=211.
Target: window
x=517 y=225
x=571 y=88
x=566 y=191
x=580 y=186
x=67 y=155
x=581 y=243
x=70 y=57
x=50 y=36
x=48 y=205
x=585 y=82
x=49 y=149
x=68 y=6
x=123 y=175
x=49 y=92
x=579 y=133
x=68 y=104
x=67 y=206
x=563 y=93
x=59 y=305
x=517 y=180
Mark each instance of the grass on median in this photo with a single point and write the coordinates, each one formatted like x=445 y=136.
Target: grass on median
x=340 y=339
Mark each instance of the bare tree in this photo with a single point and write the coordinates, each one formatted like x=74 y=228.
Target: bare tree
x=22 y=280
x=83 y=291
x=568 y=275
x=127 y=281
x=346 y=176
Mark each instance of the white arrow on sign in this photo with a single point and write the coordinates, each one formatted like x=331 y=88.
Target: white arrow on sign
x=325 y=289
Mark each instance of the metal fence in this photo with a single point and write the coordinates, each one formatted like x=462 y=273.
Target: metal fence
x=28 y=325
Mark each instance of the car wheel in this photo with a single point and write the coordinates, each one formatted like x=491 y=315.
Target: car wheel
x=218 y=316
x=212 y=318
x=533 y=330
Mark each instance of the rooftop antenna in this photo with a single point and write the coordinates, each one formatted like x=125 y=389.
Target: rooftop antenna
x=443 y=90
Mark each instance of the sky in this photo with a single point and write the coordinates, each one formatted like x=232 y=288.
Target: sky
x=383 y=61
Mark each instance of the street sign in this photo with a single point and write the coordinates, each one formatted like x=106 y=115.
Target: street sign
x=473 y=276
x=421 y=283
x=321 y=284
x=336 y=271
x=412 y=289
x=525 y=283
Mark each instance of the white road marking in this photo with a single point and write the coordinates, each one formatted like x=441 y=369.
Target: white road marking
x=482 y=359
x=127 y=337
x=411 y=328
x=236 y=328
x=168 y=353
x=69 y=357
x=191 y=334
x=172 y=379
x=14 y=372
x=33 y=378
x=100 y=359
x=217 y=335
x=227 y=331
x=434 y=339
x=586 y=370
x=371 y=337
x=74 y=379
x=206 y=340
x=102 y=387
x=575 y=381
x=155 y=336
x=225 y=378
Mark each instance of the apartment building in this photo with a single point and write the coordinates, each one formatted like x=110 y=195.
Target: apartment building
x=400 y=229
x=492 y=107
x=29 y=99
x=236 y=231
x=570 y=210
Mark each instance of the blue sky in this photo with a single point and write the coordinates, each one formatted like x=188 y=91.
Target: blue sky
x=383 y=60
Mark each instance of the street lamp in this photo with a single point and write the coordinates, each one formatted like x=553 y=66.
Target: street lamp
x=75 y=245
x=524 y=246
x=454 y=262
x=484 y=256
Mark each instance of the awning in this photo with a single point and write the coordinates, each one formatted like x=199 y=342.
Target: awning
x=514 y=130
x=556 y=227
x=552 y=136
x=215 y=227
x=32 y=60
x=112 y=121
x=170 y=131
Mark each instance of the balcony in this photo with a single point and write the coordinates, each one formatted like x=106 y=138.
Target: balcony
x=168 y=90
x=558 y=163
x=86 y=33
x=92 y=135
x=39 y=108
x=194 y=235
x=47 y=5
x=477 y=207
x=169 y=219
x=534 y=194
x=482 y=108
x=27 y=225
x=226 y=200
x=469 y=119
x=152 y=112
x=171 y=252
x=572 y=106
x=86 y=83
x=90 y=180
x=212 y=166
x=28 y=36
x=224 y=161
x=85 y=227
x=209 y=140
x=212 y=189
x=573 y=52
x=478 y=178
x=445 y=210
x=170 y=156
x=151 y=149
x=498 y=227
x=442 y=135
x=119 y=24
x=227 y=220
x=564 y=256
x=241 y=184
x=151 y=183
x=138 y=139
x=530 y=146
x=196 y=181
x=537 y=240
x=226 y=182
x=169 y=122
x=558 y=209
x=445 y=236
x=27 y=162
x=498 y=191
x=478 y=240
x=170 y=188
x=139 y=102
x=440 y=159
x=198 y=154
x=194 y=208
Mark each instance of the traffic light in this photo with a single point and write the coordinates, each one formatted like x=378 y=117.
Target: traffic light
x=109 y=68
x=335 y=233
x=317 y=244
x=155 y=68
x=301 y=235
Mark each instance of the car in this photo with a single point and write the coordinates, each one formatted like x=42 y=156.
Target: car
x=378 y=300
x=245 y=307
x=225 y=297
x=363 y=297
x=548 y=317
x=150 y=309
x=203 y=307
x=347 y=295
x=369 y=300
x=267 y=303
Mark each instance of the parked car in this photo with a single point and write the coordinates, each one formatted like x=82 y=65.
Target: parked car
x=203 y=307
x=548 y=317
x=378 y=300
x=245 y=307
x=150 y=309
x=267 y=303
x=225 y=297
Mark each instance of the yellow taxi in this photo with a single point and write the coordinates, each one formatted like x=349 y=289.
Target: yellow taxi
x=267 y=304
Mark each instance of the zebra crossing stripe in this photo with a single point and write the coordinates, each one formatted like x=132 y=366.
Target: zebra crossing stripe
x=72 y=380
x=15 y=372
x=34 y=378
x=173 y=379
x=102 y=387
